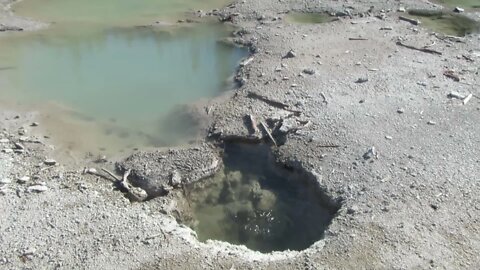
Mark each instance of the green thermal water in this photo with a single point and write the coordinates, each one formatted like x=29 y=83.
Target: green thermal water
x=257 y=204
x=111 y=11
x=468 y=4
x=109 y=87
x=446 y=22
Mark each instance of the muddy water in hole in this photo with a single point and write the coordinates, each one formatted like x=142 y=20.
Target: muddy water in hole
x=255 y=203
x=105 y=86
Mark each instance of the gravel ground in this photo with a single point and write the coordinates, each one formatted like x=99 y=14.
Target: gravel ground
x=370 y=118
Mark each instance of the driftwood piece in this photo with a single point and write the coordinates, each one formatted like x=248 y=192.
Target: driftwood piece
x=467 y=99
x=274 y=103
x=412 y=21
x=112 y=175
x=425 y=50
x=253 y=124
x=268 y=133
x=450 y=74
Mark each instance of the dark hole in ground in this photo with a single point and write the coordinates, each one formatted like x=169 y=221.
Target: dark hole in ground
x=260 y=204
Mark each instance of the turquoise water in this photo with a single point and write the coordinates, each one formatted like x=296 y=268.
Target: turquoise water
x=111 y=88
x=129 y=81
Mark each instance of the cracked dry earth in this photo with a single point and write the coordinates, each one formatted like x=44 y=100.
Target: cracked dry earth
x=400 y=152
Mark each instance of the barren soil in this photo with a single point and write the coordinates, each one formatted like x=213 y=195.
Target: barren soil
x=372 y=120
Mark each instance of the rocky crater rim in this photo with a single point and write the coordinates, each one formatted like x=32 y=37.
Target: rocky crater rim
x=165 y=175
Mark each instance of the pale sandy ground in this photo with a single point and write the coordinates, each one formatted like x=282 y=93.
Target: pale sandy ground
x=413 y=206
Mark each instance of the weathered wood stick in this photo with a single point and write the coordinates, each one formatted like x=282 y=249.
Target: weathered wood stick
x=112 y=175
x=274 y=103
x=359 y=38
x=418 y=49
x=268 y=133
x=467 y=99
x=253 y=124
x=412 y=21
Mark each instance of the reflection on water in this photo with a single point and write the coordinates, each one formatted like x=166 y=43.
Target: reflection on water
x=259 y=205
x=113 y=88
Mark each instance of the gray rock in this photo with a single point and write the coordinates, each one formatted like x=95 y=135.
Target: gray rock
x=371 y=152
x=5 y=140
x=290 y=54
x=50 y=162
x=361 y=80
x=458 y=10
x=23 y=180
x=19 y=146
x=7 y=150
x=5 y=181
x=309 y=71
x=37 y=188
x=175 y=179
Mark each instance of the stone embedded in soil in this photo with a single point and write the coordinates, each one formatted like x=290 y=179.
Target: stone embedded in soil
x=5 y=181
x=19 y=146
x=309 y=71
x=4 y=140
x=23 y=179
x=37 y=188
x=50 y=162
x=361 y=80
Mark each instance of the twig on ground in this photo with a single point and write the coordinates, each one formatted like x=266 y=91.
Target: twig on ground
x=418 y=49
x=268 y=133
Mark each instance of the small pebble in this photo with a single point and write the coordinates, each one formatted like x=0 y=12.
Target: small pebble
x=23 y=180
x=4 y=140
x=309 y=71
x=432 y=123
x=361 y=80
x=5 y=181
x=37 y=188
x=50 y=162
x=388 y=137
x=34 y=124
x=8 y=150
x=19 y=146
x=400 y=110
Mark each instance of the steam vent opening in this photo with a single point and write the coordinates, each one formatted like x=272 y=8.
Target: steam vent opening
x=257 y=203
